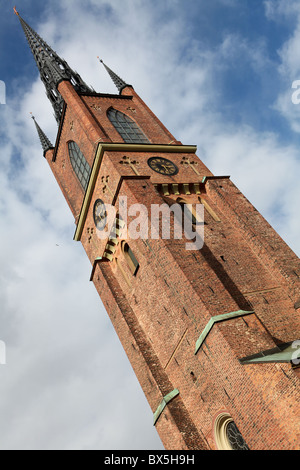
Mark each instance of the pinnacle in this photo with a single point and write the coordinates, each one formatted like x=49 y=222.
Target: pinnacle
x=45 y=142
x=119 y=82
x=52 y=68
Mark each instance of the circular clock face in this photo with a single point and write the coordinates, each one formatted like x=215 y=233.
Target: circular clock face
x=100 y=214
x=163 y=166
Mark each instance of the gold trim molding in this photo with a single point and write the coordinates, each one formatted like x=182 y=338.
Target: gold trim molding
x=114 y=147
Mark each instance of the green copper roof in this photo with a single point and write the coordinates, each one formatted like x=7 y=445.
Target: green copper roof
x=216 y=319
x=288 y=352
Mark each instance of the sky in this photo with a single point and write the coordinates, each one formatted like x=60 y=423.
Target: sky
x=219 y=75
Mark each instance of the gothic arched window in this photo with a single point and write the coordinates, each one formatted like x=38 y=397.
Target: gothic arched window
x=227 y=435
x=79 y=164
x=127 y=128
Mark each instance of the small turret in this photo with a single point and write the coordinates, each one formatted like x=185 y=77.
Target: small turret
x=45 y=142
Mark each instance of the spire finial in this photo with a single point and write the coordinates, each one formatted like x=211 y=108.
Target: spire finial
x=16 y=12
x=120 y=84
x=46 y=144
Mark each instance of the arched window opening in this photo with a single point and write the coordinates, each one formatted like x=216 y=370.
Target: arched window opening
x=227 y=434
x=126 y=127
x=131 y=260
x=74 y=81
x=52 y=96
x=79 y=164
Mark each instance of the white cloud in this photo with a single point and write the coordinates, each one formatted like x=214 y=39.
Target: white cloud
x=63 y=359
x=280 y=10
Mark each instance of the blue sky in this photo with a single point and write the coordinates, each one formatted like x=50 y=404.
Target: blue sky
x=218 y=74
x=241 y=85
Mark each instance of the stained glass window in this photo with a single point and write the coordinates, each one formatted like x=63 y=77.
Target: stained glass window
x=227 y=434
x=127 y=128
x=235 y=438
x=79 y=164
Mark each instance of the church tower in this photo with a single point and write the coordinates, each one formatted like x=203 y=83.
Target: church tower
x=212 y=332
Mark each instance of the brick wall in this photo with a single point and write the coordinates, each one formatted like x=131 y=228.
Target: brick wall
x=160 y=312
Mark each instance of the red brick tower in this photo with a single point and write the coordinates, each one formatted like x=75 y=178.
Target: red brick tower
x=211 y=333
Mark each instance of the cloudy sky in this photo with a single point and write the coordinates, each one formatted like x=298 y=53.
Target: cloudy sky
x=219 y=74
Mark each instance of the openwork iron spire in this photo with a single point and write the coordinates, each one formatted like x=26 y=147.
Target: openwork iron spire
x=52 y=68
x=120 y=84
x=46 y=144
